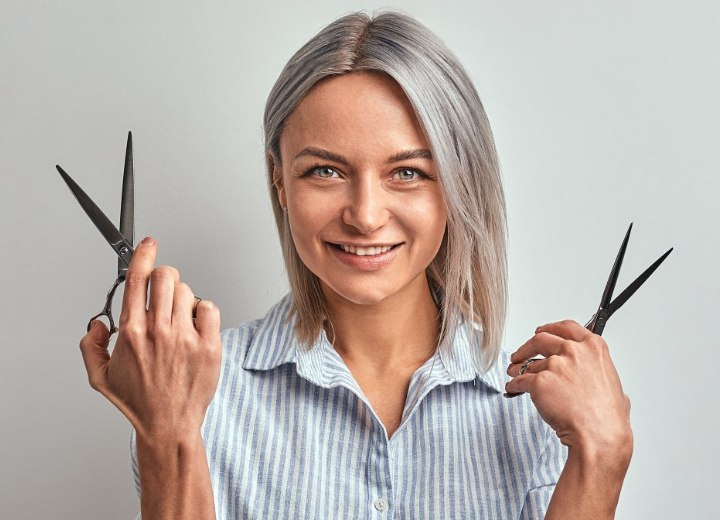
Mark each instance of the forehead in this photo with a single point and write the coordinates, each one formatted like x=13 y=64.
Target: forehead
x=360 y=111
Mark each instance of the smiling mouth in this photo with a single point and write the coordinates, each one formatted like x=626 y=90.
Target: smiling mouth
x=365 y=251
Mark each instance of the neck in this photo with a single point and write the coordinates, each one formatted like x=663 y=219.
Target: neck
x=399 y=332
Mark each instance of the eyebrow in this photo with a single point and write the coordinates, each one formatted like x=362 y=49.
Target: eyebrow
x=335 y=157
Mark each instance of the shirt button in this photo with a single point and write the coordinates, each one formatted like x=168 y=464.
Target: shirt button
x=380 y=504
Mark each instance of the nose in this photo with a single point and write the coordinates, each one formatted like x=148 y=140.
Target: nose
x=367 y=207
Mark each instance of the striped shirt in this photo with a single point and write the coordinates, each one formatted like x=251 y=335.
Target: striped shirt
x=290 y=434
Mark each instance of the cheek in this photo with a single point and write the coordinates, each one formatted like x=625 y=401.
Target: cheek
x=428 y=219
x=308 y=217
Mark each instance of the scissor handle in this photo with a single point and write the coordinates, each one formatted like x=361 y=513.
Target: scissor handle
x=107 y=309
x=596 y=325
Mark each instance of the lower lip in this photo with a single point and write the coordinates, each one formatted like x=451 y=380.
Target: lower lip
x=367 y=262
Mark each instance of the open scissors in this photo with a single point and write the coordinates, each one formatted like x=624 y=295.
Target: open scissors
x=120 y=240
x=607 y=308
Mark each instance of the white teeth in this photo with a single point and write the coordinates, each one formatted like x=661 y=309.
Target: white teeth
x=365 y=251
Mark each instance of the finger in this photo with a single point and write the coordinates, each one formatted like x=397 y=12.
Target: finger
x=543 y=344
x=183 y=305
x=94 y=349
x=568 y=329
x=162 y=287
x=532 y=368
x=207 y=319
x=520 y=384
x=136 y=281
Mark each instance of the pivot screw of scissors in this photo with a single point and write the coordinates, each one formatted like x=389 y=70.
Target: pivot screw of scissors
x=124 y=250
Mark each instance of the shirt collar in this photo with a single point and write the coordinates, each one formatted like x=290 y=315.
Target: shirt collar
x=274 y=344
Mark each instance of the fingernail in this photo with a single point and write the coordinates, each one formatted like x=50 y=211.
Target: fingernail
x=506 y=393
x=148 y=241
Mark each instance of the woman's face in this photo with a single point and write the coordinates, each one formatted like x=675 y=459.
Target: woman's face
x=364 y=202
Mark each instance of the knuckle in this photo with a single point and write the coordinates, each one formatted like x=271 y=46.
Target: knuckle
x=551 y=363
x=544 y=336
x=135 y=279
x=132 y=331
x=183 y=288
x=159 y=330
x=211 y=307
x=187 y=344
x=598 y=342
x=162 y=273
x=172 y=271
x=567 y=345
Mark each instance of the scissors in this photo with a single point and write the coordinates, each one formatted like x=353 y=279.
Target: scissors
x=120 y=240
x=607 y=308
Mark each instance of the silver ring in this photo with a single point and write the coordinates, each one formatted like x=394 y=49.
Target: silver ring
x=197 y=300
x=525 y=365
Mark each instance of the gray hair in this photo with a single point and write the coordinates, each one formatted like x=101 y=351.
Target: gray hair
x=469 y=272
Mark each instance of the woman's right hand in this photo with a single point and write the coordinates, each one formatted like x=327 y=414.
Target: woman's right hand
x=164 y=368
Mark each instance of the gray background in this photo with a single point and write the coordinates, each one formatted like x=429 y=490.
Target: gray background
x=604 y=113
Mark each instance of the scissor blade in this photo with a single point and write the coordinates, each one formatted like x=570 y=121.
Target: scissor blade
x=116 y=240
x=614 y=272
x=630 y=290
x=127 y=204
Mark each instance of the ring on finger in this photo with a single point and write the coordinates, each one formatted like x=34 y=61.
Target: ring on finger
x=197 y=301
x=526 y=364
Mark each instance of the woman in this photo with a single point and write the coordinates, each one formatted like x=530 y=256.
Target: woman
x=375 y=389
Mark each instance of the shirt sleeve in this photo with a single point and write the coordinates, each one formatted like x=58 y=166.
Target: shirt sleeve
x=134 y=462
x=545 y=476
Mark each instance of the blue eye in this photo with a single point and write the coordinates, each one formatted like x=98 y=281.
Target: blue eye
x=324 y=172
x=407 y=174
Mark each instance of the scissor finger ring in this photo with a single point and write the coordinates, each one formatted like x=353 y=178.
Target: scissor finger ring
x=525 y=365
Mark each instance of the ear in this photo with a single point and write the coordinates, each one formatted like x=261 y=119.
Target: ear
x=277 y=177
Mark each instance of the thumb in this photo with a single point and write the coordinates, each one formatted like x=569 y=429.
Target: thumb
x=94 y=349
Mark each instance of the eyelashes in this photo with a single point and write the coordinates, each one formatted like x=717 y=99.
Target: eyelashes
x=324 y=171
x=315 y=168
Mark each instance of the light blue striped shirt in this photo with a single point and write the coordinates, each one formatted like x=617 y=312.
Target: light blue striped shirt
x=289 y=434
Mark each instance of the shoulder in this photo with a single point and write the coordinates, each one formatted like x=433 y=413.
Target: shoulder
x=263 y=343
x=236 y=341
x=239 y=339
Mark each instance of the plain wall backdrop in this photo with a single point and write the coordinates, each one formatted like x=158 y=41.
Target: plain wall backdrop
x=604 y=113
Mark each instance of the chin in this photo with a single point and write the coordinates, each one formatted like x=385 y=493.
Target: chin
x=363 y=294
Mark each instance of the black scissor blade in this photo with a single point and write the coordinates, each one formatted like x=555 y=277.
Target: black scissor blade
x=116 y=240
x=127 y=204
x=630 y=290
x=614 y=272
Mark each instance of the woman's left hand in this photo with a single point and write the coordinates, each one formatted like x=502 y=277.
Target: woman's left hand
x=576 y=388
